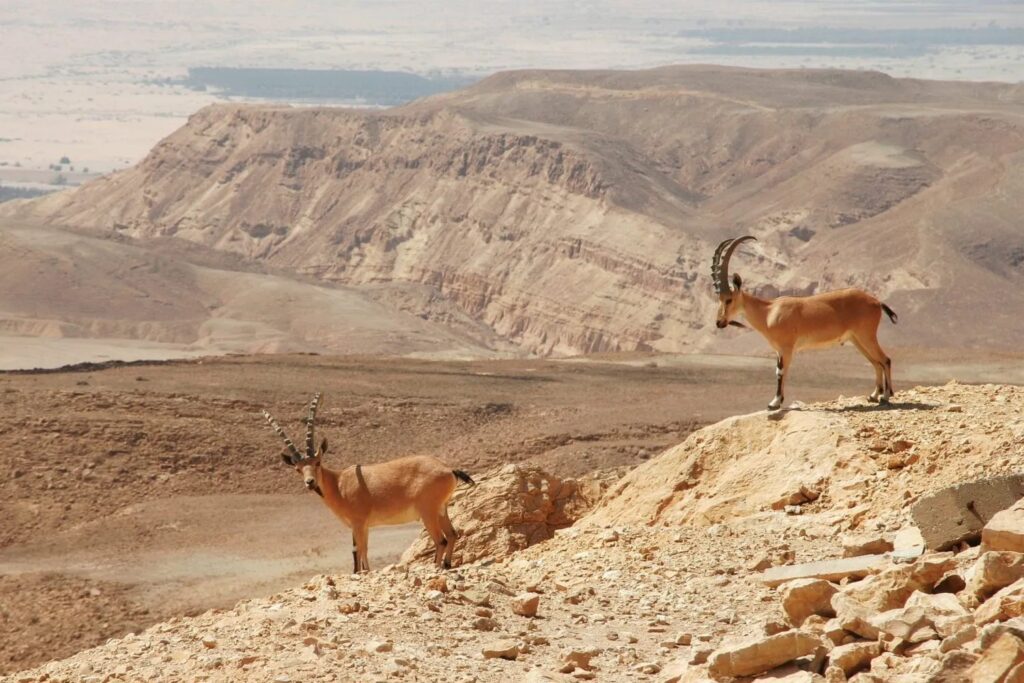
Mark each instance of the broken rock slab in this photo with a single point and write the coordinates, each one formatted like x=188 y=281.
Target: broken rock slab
x=959 y=513
x=829 y=570
x=758 y=656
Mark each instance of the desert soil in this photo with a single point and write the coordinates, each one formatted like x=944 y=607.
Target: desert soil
x=145 y=491
x=632 y=600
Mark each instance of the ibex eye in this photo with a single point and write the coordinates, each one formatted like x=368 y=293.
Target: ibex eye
x=728 y=302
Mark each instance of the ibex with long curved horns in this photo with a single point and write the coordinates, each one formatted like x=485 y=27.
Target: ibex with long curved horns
x=790 y=323
x=394 y=492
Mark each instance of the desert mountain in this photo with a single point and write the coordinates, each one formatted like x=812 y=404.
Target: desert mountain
x=576 y=211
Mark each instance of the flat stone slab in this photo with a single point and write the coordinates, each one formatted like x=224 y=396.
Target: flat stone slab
x=830 y=570
x=958 y=514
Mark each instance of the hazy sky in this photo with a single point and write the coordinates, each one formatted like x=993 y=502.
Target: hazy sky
x=93 y=79
x=485 y=36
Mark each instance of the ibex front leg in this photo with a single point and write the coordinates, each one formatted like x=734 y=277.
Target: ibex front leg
x=781 y=368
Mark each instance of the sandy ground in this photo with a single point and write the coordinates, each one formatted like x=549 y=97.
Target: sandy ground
x=26 y=353
x=197 y=547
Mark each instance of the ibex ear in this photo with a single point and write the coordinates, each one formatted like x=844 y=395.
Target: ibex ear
x=287 y=458
x=737 y=281
x=323 y=446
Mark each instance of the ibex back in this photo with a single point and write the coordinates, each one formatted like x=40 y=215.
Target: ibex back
x=394 y=492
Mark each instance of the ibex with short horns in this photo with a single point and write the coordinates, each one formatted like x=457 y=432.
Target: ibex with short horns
x=790 y=323
x=395 y=492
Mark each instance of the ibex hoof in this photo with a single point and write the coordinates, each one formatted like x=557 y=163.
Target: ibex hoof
x=774 y=405
x=446 y=564
x=873 y=398
x=884 y=400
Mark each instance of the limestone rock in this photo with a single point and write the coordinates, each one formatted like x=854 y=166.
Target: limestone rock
x=1005 y=604
x=514 y=508
x=501 y=649
x=578 y=658
x=994 y=570
x=854 y=616
x=942 y=610
x=891 y=588
x=855 y=545
x=760 y=655
x=526 y=604
x=798 y=496
x=905 y=624
x=1005 y=531
x=998 y=661
x=804 y=597
x=992 y=632
x=854 y=657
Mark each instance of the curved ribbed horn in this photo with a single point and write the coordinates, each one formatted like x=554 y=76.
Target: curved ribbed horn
x=310 y=419
x=716 y=270
x=724 y=264
x=296 y=456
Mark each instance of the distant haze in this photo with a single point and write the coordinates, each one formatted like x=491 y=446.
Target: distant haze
x=101 y=81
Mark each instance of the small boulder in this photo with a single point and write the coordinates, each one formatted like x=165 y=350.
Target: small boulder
x=804 y=597
x=1005 y=531
x=854 y=616
x=526 y=604
x=578 y=658
x=501 y=649
x=760 y=655
x=798 y=496
x=1002 y=657
x=855 y=545
x=993 y=571
x=1007 y=603
x=890 y=588
x=854 y=657
x=942 y=610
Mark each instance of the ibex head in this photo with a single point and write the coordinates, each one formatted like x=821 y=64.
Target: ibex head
x=729 y=297
x=307 y=464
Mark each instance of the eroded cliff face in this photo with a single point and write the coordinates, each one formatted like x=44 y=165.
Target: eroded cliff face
x=575 y=212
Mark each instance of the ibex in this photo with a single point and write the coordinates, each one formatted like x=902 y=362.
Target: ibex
x=395 y=492
x=790 y=323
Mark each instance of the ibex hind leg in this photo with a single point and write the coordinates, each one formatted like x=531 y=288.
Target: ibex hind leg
x=882 y=364
x=432 y=523
x=450 y=534
x=879 y=375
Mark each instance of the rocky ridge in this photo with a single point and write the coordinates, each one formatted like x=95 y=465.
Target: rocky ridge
x=663 y=597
